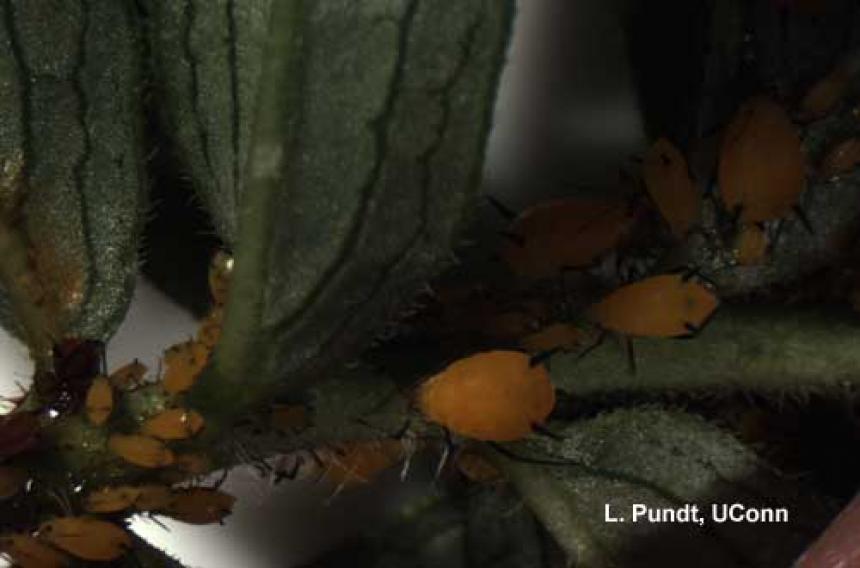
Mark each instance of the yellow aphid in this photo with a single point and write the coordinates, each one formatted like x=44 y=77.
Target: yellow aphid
x=99 y=402
x=140 y=450
x=193 y=463
x=128 y=376
x=352 y=463
x=26 y=551
x=477 y=468
x=111 y=499
x=153 y=497
x=173 y=424
x=200 y=505
x=556 y=336
x=12 y=481
x=220 y=270
x=86 y=537
x=182 y=364
x=209 y=331
x=289 y=417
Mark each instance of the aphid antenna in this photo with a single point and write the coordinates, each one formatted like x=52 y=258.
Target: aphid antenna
x=803 y=218
x=601 y=337
x=502 y=209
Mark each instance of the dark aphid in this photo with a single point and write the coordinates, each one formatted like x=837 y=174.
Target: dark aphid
x=76 y=362
x=19 y=432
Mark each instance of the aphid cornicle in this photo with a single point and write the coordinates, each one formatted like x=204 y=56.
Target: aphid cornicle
x=661 y=306
x=668 y=182
x=761 y=170
x=86 y=538
x=565 y=233
x=496 y=396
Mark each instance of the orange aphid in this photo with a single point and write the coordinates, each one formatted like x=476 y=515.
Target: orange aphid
x=99 y=402
x=494 y=395
x=111 y=499
x=12 y=481
x=565 y=233
x=200 y=505
x=209 y=331
x=660 y=306
x=477 y=468
x=153 y=497
x=761 y=169
x=668 y=182
x=26 y=551
x=174 y=424
x=220 y=269
x=140 y=450
x=183 y=363
x=193 y=463
x=824 y=95
x=751 y=245
x=86 y=537
x=842 y=158
x=289 y=417
x=128 y=376
x=561 y=336
x=352 y=463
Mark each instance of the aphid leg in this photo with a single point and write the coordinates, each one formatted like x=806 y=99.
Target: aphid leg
x=804 y=220
x=443 y=460
x=544 y=431
x=631 y=355
x=502 y=209
x=410 y=447
x=597 y=343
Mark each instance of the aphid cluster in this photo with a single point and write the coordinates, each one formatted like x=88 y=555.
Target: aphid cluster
x=79 y=383
x=579 y=268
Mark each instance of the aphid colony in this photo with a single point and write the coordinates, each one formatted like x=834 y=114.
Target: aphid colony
x=80 y=385
x=501 y=390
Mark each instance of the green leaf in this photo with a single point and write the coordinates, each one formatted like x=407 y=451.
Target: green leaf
x=367 y=151
x=73 y=196
x=660 y=459
x=206 y=58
